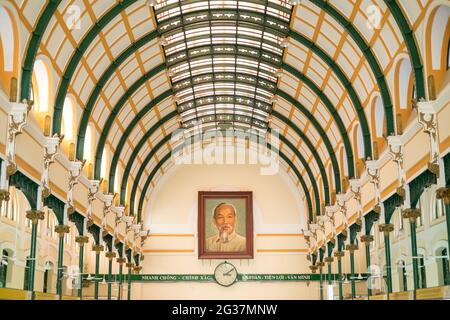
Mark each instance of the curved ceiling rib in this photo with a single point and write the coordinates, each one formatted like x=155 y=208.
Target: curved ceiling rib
x=33 y=46
x=177 y=149
x=51 y=7
x=160 y=123
x=103 y=81
x=411 y=44
x=147 y=135
x=365 y=48
x=44 y=19
x=106 y=129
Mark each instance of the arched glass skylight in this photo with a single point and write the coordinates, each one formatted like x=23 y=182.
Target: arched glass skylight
x=224 y=58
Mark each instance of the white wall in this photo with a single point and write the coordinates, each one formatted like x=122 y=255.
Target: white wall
x=172 y=219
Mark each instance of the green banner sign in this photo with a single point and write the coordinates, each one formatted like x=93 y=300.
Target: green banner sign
x=240 y=278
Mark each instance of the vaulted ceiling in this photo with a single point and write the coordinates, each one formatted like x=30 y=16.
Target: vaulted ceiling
x=138 y=70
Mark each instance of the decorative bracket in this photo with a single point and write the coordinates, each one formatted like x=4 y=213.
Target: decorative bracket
x=51 y=147
x=144 y=235
x=93 y=188
x=428 y=119
x=107 y=204
x=75 y=170
x=17 y=119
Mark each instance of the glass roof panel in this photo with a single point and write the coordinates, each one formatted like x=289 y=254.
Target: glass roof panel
x=223 y=57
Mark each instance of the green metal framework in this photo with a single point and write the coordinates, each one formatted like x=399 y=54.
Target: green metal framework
x=179 y=147
x=51 y=7
x=190 y=140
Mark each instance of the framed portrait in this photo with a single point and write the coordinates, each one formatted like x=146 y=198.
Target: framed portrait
x=225 y=225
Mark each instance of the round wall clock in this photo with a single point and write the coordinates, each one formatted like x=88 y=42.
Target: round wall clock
x=225 y=274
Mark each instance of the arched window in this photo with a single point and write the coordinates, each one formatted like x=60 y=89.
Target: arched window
x=41 y=86
x=7 y=41
x=437 y=36
x=344 y=163
x=404 y=80
x=26 y=275
x=88 y=140
x=360 y=143
x=378 y=115
x=445 y=267
x=104 y=166
x=8 y=51
x=402 y=276
x=68 y=121
x=48 y=275
x=448 y=55
x=50 y=230
x=9 y=209
x=116 y=178
x=4 y=268
x=422 y=272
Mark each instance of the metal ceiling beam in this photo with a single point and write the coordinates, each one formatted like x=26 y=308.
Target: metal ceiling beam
x=168 y=155
x=49 y=10
x=165 y=139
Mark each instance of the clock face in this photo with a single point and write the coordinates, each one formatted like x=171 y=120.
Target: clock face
x=225 y=274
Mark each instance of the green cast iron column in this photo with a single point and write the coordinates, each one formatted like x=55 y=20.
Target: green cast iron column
x=120 y=261
x=97 y=249
x=339 y=255
x=110 y=255
x=386 y=229
x=444 y=195
x=367 y=239
x=129 y=265
x=61 y=230
x=412 y=215
x=321 y=264
x=34 y=216
x=81 y=240
x=329 y=260
x=351 y=248
x=447 y=218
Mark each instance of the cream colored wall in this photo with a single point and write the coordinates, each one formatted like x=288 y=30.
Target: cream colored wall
x=173 y=212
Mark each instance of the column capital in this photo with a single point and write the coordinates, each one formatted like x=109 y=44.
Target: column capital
x=411 y=214
x=367 y=238
x=313 y=268
x=130 y=265
x=351 y=247
x=121 y=260
x=35 y=215
x=81 y=240
x=320 y=264
x=329 y=260
x=444 y=194
x=137 y=269
x=98 y=248
x=339 y=254
x=110 y=255
x=4 y=195
x=386 y=228
x=62 y=229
